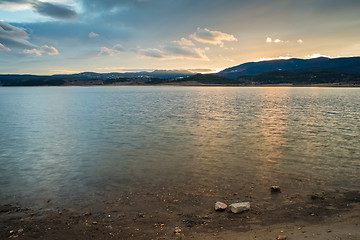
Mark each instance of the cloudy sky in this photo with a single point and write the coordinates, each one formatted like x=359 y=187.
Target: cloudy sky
x=67 y=36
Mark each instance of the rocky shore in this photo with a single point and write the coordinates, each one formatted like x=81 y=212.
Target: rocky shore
x=324 y=215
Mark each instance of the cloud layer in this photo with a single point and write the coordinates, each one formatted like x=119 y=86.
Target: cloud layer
x=43 y=50
x=186 y=49
x=174 y=52
x=277 y=40
x=3 y=48
x=205 y=35
x=53 y=10
x=14 y=37
x=93 y=35
x=115 y=50
x=58 y=11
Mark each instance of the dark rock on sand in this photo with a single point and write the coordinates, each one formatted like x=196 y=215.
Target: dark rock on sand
x=275 y=189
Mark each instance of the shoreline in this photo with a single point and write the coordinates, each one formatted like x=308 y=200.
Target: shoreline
x=327 y=216
x=205 y=85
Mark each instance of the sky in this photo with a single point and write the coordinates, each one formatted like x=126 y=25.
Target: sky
x=70 y=36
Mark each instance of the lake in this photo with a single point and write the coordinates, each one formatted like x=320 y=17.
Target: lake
x=82 y=146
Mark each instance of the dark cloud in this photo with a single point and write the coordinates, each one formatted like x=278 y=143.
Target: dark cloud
x=14 y=37
x=10 y=31
x=111 y=4
x=14 y=1
x=58 y=11
x=54 y=10
x=16 y=43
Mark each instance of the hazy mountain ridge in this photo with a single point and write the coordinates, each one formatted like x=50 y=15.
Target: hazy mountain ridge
x=141 y=74
x=344 y=65
x=291 y=71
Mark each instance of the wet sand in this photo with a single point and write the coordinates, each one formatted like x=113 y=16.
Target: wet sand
x=323 y=215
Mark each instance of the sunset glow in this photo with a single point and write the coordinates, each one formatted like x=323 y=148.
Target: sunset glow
x=54 y=36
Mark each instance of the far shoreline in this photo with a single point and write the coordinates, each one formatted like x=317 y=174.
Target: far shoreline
x=323 y=85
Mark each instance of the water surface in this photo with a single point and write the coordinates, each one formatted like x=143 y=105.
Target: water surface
x=89 y=144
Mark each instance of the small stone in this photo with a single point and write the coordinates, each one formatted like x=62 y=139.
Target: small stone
x=87 y=214
x=281 y=237
x=48 y=200
x=20 y=230
x=240 y=207
x=12 y=231
x=220 y=206
x=275 y=189
x=177 y=230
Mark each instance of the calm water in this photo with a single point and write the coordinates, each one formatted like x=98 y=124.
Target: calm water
x=85 y=144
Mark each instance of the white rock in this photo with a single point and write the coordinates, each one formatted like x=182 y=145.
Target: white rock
x=220 y=206
x=239 y=207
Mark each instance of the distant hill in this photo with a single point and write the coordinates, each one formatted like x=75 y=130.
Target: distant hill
x=276 y=77
x=293 y=71
x=341 y=65
x=208 y=79
x=302 y=78
x=93 y=78
x=115 y=75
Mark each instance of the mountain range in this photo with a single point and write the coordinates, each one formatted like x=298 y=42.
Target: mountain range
x=291 y=71
x=349 y=65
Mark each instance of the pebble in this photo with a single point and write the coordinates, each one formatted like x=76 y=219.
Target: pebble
x=240 y=207
x=281 y=237
x=220 y=206
x=87 y=214
x=177 y=230
x=275 y=189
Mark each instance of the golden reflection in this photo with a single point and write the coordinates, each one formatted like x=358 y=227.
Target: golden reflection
x=213 y=136
x=272 y=125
